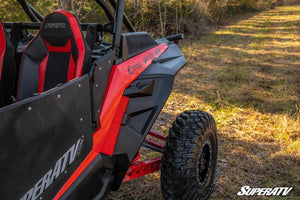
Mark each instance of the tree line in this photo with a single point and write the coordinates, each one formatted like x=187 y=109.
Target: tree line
x=161 y=17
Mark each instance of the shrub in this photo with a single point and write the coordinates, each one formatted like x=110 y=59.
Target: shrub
x=188 y=16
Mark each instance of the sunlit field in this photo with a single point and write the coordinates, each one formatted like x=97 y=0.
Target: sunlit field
x=247 y=75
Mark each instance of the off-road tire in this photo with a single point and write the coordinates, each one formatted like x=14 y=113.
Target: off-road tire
x=190 y=157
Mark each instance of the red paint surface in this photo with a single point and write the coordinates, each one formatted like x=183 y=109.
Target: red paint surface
x=71 y=72
x=154 y=144
x=65 y=49
x=2 y=48
x=157 y=135
x=42 y=72
x=137 y=157
x=142 y=168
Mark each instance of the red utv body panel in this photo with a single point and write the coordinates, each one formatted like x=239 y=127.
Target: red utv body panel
x=114 y=107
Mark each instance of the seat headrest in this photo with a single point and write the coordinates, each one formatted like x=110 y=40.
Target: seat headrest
x=57 y=54
x=59 y=27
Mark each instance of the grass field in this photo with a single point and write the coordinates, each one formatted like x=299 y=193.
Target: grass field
x=247 y=75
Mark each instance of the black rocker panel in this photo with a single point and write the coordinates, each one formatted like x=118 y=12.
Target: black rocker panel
x=43 y=139
x=96 y=178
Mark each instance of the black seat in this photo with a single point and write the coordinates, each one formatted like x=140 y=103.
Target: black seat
x=7 y=68
x=57 y=54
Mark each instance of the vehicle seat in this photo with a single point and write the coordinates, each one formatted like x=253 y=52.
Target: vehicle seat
x=57 y=54
x=7 y=67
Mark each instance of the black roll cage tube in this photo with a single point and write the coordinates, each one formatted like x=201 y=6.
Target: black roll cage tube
x=118 y=18
x=126 y=21
x=118 y=25
x=28 y=9
x=36 y=25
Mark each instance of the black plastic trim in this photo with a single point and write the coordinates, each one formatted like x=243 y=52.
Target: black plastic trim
x=100 y=73
x=142 y=110
x=135 y=43
x=95 y=179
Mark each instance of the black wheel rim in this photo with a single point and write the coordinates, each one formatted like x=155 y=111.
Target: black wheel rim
x=204 y=163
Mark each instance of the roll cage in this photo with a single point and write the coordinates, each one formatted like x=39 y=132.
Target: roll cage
x=114 y=10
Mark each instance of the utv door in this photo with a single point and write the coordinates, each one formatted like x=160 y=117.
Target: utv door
x=43 y=139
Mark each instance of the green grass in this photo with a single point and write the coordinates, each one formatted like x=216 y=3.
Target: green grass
x=247 y=75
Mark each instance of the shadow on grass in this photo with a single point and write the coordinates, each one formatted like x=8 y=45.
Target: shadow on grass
x=257 y=164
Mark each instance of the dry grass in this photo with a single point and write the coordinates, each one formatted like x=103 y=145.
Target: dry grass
x=247 y=75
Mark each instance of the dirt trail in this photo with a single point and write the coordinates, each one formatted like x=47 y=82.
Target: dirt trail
x=247 y=75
